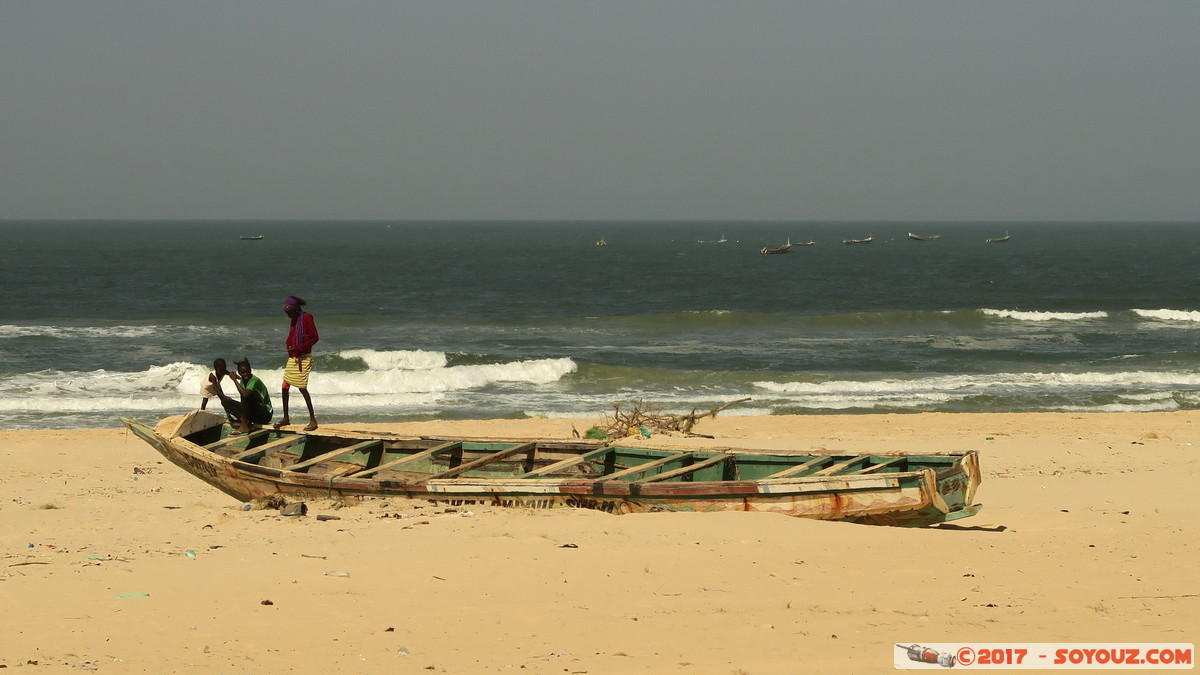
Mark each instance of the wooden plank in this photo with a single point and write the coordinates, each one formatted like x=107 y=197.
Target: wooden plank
x=277 y=444
x=881 y=465
x=683 y=470
x=424 y=454
x=569 y=462
x=830 y=470
x=231 y=440
x=334 y=454
x=648 y=465
x=483 y=461
x=799 y=468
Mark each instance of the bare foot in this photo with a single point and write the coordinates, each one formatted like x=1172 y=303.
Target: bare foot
x=282 y=423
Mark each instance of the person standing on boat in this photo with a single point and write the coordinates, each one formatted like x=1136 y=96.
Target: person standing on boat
x=302 y=335
x=254 y=408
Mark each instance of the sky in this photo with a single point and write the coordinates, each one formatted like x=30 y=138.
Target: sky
x=793 y=110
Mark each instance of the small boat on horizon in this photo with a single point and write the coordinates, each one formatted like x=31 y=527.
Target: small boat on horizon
x=602 y=243
x=870 y=238
x=1000 y=240
x=928 y=237
x=252 y=237
x=767 y=250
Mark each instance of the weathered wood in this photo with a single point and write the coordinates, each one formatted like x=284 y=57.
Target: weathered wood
x=830 y=470
x=424 y=454
x=334 y=454
x=483 y=461
x=876 y=467
x=233 y=440
x=684 y=470
x=799 y=468
x=277 y=444
x=640 y=468
x=568 y=463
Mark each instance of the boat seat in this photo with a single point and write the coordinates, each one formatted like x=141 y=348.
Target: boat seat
x=365 y=446
x=424 y=454
x=275 y=445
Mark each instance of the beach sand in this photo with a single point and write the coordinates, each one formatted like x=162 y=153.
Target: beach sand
x=116 y=561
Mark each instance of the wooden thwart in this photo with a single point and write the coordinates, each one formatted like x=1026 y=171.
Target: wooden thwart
x=482 y=461
x=830 y=470
x=569 y=462
x=881 y=465
x=424 y=454
x=333 y=454
x=647 y=466
x=277 y=444
x=683 y=470
x=799 y=468
x=232 y=440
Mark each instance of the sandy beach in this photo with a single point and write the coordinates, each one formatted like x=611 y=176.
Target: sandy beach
x=116 y=561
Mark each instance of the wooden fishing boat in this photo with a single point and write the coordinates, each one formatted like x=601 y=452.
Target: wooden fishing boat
x=869 y=238
x=1000 y=240
x=617 y=477
x=252 y=237
x=926 y=237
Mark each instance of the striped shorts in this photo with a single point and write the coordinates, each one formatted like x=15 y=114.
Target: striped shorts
x=297 y=370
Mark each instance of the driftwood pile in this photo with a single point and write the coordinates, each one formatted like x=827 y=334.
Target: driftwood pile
x=646 y=419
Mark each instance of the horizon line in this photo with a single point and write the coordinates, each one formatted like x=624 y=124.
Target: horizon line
x=585 y=220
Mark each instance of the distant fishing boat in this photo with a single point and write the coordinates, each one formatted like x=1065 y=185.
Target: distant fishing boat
x=767 y=250
x=870 y=238
x=252 y=237
x=928 y=237
x=1000 y=240
x=602 y=243
x=722 y=240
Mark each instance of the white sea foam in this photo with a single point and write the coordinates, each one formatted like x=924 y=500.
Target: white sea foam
x=1043 y=316
x=1137 y=390
x=973 y=384
x=70 y=332
x=407 y=380
x=397 y=360
x=1168 y=314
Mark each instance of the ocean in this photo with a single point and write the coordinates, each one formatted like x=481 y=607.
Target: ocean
x=461 y=320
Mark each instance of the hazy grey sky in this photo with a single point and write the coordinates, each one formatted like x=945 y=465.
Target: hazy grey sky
x=608 y=109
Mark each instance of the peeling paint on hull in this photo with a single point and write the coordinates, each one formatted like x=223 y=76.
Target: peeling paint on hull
x=875 y=489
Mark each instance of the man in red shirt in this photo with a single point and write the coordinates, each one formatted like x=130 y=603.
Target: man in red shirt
x=302 y=335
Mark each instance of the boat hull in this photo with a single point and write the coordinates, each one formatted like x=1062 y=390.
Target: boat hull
x=640 y=480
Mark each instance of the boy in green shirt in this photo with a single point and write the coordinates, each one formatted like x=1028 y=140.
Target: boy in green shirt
x=254 y=408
